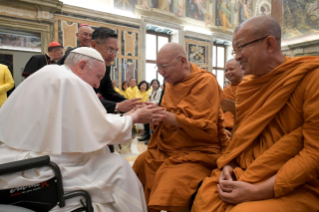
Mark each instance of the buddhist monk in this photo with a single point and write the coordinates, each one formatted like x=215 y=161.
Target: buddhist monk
x=272 y=161
x=183 y=149
x=235 y=75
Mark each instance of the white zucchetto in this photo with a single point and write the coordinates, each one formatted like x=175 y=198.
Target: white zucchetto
x=89 y=52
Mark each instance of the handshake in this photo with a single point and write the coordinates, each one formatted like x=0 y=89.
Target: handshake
x=147 y=112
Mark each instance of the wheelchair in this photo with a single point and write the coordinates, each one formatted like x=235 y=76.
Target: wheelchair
x=40 y=197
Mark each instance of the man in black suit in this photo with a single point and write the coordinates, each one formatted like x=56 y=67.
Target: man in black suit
x=36 y=62
x=104 y=40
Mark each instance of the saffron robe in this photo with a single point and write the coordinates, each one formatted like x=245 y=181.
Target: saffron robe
x=179 y=158
x=229 y=94
x=277 y=121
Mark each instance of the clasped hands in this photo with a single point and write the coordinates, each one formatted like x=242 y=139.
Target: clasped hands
x=147 y=112
x=235 y=192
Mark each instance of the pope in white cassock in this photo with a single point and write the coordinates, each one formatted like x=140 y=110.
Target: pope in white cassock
x=56 y=112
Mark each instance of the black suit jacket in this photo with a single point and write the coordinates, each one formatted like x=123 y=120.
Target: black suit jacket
x=110 y=96
x=35 y=63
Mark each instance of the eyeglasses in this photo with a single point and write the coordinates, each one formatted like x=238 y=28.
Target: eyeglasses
x=109 y=51
x=240 y=48
x=163 y=67
x=86 y=35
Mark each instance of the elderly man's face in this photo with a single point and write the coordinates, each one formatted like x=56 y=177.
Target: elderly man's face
x=251 y=56
x=170 y=68
x=133 y=83
x=95 y=74
x=108 y=49
x=232 y=72
x=84 y=36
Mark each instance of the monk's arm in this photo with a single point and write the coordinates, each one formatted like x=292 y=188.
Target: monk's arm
x=197 y=114
x=304 y=167
x=265 y=190
x=171 y=119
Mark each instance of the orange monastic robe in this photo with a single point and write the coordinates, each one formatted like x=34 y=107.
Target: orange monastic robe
x=229 y=94
x=277 y=119
x=178 y=158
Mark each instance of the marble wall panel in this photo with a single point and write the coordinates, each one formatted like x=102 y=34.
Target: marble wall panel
x=115 y=72
x=69 y=30
x=129 y=43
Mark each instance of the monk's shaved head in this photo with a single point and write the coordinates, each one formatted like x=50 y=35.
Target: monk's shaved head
x=172 y=63
x=261 y=26
x=233 y=72
x=257 y=46
x=172 y=49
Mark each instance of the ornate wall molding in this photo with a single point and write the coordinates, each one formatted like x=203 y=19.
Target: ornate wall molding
x=29 y=14
x=93 y=15
x=17 y=12
x=43 y=5
x=29 y=26
x=300 y=49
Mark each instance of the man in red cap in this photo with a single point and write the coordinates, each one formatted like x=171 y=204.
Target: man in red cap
x=84 y=36
x=55 y=52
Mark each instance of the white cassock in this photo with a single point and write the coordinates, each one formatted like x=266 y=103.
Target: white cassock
x=56 y=113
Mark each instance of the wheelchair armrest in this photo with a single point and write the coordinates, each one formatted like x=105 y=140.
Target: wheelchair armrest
x=89 y=207
x=23 y=165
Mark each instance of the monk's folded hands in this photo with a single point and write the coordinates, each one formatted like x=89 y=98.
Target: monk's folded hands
x=227 y=173
x=235 y=192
